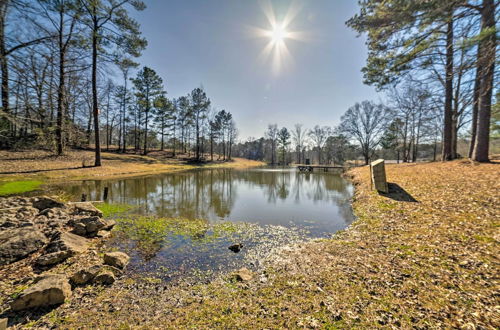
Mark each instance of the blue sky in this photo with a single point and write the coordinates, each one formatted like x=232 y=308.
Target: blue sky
x=212 y=43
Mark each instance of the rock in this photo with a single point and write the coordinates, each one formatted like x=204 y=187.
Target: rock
x=69 y=242
x=91 y=225
x=108 y=224
x=242 y=275
x=26 y=212
x=84 y=276
x=116 y=259
x=48 y=290
x=105 y=277
x=79 y=229
x=236 y=247
x=44 y=202
x=103 y=234
x=65 y=245
x=86 y=208
x=87 y=275
x=17 y=243
x=53 y=258
x=3 y=324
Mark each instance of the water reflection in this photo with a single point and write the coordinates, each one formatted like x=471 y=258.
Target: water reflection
x=317 y=201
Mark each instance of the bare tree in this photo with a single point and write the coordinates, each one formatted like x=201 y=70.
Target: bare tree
x=298 y=136
x=365 y=122
x=272 y=135
x=319 y=135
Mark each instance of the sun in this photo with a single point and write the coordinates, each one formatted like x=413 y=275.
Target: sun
x=278 y=33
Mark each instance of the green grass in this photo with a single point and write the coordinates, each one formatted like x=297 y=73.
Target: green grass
x=19 y=187
x=109 y=210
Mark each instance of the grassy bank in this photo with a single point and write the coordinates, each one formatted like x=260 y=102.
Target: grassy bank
x=423 y=256
x=74 y=165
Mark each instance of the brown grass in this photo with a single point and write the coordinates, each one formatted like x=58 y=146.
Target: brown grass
x=428 y=263
x=43 y=165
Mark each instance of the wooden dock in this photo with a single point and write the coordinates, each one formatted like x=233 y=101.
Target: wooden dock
x=325 y=168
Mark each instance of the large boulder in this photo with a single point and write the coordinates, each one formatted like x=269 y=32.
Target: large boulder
x=86 y=208
x=45 y=202
x=17 y=243
x=116 y=259
x=48 y=290
x=69 y=242
x=65 y=245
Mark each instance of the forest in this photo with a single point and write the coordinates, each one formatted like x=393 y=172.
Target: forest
x=436 y=70
x=270 y=164
x=57 y=58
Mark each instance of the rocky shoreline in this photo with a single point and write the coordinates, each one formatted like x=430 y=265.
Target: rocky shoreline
x=48 y=248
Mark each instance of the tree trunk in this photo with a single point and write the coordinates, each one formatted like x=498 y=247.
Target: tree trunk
x=146 y=133
x=94 y=95
x=475 y=105
x=487 y=63
x=448 y=103
x=4 y=67
x=211 y=148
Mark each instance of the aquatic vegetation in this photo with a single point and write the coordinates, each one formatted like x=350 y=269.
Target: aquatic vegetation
x=19 y=187
x=109 y=210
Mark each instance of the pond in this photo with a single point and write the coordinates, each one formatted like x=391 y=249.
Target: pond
x=181 y=224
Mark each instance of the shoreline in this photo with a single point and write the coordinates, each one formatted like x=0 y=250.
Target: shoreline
x=423 y=255
x=45 y=167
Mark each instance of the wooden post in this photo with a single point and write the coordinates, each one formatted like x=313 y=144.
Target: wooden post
x=378 y=176
x=105 y=197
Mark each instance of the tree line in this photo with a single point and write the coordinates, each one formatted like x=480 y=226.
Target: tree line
x=407 y=127
x=55 y=60
x=447 y=50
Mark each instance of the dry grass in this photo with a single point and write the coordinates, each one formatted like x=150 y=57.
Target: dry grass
x=43 y=165
x=430 y=263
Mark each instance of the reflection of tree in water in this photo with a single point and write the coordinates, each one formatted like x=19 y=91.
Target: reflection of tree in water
x=209 y=194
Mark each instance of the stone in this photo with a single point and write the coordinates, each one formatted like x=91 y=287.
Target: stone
x=103 y=234
x=84 y=276
x=378 y=176
x=18 y=243
x=26 y=212
x=69 y=242
x=3 y=323
x=116 y=259
x=242 y=275
x=53 y=258
x=79 y=229
x=47 y=291
x=44 y=202
x=236 y=247
x=86 y=208
x=105 y=277
x=87 y=275
x=108 y=224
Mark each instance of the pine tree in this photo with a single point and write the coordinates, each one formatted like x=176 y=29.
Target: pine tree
x=149 y=86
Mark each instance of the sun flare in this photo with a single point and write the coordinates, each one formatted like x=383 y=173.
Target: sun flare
x=278 y=33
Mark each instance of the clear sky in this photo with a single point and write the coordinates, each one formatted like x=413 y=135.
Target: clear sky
x=214 y=43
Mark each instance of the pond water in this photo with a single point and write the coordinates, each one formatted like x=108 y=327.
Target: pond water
x=210 y=209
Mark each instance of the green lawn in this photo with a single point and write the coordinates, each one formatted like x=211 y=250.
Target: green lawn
x=19 y=187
